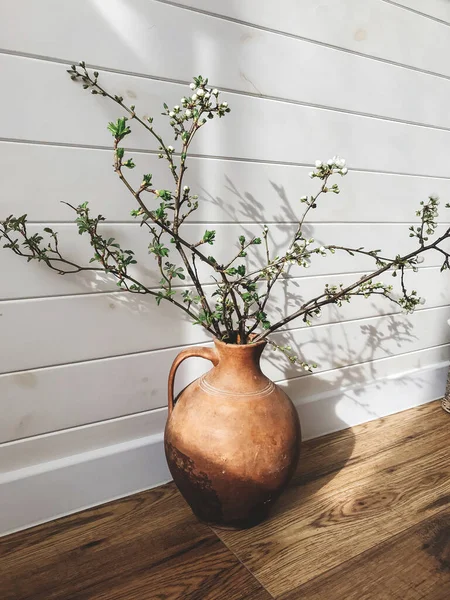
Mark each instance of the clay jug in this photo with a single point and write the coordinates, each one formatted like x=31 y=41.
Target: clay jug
x=232 y=437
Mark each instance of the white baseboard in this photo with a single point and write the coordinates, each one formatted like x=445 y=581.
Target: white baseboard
x=46 y=491
x=60 y=487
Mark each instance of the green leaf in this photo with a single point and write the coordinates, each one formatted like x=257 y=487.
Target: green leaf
x=119 y=129
x=209 y=237
x=158 y=249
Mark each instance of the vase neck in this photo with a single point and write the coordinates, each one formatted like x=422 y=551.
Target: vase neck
x=238 y=370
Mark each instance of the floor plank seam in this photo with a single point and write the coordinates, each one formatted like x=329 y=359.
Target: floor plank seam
x=242 y=563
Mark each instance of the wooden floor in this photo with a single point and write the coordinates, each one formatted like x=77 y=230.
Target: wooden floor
x=367 y=517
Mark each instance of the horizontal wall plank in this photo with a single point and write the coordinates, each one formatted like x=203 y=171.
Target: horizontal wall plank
x=229 y=191
x=233 y=56
x=22 y=279
x=56 y=398
x=61 y=444
x=439 y=9
x=79 y=328
x=372 y=28
x=69 y=115
x=286 y=296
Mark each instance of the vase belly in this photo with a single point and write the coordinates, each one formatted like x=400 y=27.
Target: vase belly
x=231 y=454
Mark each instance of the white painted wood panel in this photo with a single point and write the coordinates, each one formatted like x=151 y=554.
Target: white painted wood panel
x=439 y=9
x=131 y=37
x=230 y=191
x=372 y=28
x=56 y=398
x=23 y=279
x=83 y=374
x=70 y=115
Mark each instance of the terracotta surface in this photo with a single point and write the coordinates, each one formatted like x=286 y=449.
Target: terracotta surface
x=232 y=439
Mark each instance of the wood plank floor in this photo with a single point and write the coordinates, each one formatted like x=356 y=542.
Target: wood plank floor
x=367 y=517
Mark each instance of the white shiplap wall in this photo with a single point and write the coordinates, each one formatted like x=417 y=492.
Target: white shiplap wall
x=83 y=367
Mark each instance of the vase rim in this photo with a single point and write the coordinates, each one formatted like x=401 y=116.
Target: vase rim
x=224 y=344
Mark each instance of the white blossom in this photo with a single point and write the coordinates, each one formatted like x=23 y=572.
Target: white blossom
x=311 y=174
x=330 y=162
x=207 y=95
x=200 y=92
x=186 y=188
x=170 y=148
x=188 y=113
x=215 y=92
x=171 y=114
x=344 y=171
x=176 y=108
x=318 y=164
x=422 y=301
x=194 y=97
x=192 y=86
x=225 y=104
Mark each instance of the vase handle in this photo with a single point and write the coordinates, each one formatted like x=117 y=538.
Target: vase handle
x=202 y=352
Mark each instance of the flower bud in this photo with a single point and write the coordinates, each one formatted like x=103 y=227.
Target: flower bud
x=318 y=164
x=188 y=113
x=192 y=86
